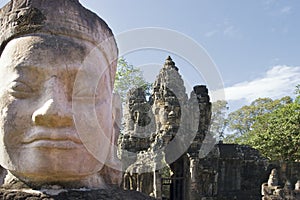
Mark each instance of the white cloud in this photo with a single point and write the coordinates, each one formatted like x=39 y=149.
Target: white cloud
x=232 y=32
x=273 y=4
x=277 y=82
x=211 y=33
x=225 y=29
x=286 y=10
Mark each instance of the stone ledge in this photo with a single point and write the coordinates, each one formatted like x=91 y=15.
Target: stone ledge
x=109 y=194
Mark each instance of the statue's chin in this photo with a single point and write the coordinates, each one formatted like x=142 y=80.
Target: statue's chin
x=20 y=181
x=54 y=165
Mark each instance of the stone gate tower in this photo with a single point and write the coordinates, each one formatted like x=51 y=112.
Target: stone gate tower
x=163 y=136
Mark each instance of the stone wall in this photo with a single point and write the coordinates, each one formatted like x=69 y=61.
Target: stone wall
x=234 y=171
x=231 y=170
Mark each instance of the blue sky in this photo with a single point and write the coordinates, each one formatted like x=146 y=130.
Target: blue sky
x=254 y=44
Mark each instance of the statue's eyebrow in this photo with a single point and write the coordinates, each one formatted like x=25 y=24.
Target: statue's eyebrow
x=30 y=74
x=22 y=67
x=39 y=69
x=36 y=75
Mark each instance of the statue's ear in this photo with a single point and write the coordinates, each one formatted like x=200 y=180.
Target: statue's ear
x=112 y=171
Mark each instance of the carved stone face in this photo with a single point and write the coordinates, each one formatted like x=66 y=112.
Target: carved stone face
x=169 y=116
x=38 y=138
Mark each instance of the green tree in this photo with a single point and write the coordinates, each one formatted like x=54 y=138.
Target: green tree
x=277 y=134
x=240 y=122
x=273 y=127
x=297 y=92
x=218 y=118
x=128 y=77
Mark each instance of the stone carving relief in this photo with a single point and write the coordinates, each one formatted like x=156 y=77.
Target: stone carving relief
x=173 y=117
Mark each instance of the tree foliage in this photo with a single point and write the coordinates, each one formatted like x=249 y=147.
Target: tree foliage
x=297 y=92
x=277 y=134
x=271 y=126
x=218 y=118
x=128 y=77
x=240 y=122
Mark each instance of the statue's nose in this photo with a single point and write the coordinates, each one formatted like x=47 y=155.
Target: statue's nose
x=55 y=109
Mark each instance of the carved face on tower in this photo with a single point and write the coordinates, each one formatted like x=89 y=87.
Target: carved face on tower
x=168 y=113
x=56 y=121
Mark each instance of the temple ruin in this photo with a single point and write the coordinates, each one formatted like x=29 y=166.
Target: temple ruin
x=162 y=144
x=156 y=128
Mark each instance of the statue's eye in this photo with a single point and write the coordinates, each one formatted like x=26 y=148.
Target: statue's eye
x=21 y=90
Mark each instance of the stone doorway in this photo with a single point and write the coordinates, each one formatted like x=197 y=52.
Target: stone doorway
x=173 y=188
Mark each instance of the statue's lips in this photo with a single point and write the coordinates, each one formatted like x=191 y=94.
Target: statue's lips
x=52 y=138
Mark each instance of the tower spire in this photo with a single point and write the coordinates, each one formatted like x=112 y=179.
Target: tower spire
x=169 y=63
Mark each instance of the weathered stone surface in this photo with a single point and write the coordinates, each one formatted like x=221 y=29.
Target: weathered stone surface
x=273 y=178
x=3 y=173
x=57 y=68
x=139 y=125
x=107 y=194
x=68 y=18
x=162 y=133
x=273 y=191
x=297 y=185
x=229 y=171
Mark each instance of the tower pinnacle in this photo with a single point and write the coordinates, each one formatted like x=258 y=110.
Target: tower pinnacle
x=169 y=63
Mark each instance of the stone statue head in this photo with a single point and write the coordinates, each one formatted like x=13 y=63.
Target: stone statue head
x=57 y=67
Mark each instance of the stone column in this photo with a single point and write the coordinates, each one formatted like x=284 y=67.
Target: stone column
x=194 y=183
x=157 y=185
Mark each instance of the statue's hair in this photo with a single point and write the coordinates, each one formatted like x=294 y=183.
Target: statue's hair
x=56 y=17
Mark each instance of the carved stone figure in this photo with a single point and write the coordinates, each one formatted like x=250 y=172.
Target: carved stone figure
x=297 y=185
x=273 y=178
x=51 y=54
x=169 y=98
x=273 y=191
